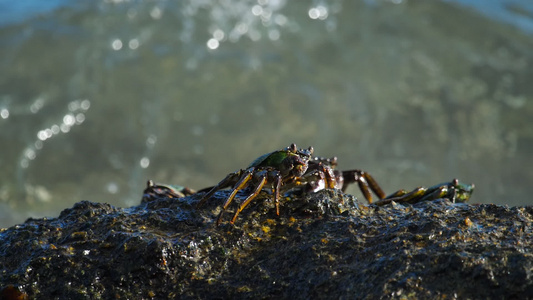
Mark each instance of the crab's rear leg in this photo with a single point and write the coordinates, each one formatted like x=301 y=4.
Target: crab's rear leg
x=365 y=181
x=402 y=196
x=228 y=181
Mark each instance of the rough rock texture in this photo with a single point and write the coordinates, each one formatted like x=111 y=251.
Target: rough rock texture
x=323 y=245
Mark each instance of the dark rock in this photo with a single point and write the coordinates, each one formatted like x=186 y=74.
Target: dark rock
x=325 y=245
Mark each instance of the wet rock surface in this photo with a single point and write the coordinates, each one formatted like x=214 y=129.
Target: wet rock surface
x=323 y=245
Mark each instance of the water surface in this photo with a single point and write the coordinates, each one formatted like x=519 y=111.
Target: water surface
x=96 y=98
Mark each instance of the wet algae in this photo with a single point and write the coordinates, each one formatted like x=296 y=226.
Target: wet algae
x=323 y=245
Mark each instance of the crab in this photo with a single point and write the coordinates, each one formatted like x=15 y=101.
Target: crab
x=157 y=190
x=273 y=169
x=455 y=191
x=285 y=170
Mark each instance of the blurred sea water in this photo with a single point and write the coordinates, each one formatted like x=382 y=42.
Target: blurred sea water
x=97 y=97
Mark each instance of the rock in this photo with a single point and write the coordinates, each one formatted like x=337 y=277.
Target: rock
x=323 y=245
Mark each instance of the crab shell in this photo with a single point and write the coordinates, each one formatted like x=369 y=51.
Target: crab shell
x=290 y=162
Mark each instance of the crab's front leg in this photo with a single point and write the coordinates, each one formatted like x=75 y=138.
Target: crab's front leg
x=321 y=175
x=261 y=178
x=277 y=187
x=326 y=172
x=241 y=184
x=255 y=192
x=365 y=181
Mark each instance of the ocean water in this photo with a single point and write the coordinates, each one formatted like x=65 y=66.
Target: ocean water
x=98 y=97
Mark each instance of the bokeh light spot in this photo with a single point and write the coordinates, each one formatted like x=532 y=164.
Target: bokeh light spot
x=116 y=44
x=319 y=12
x=257 y=10
x=274 y=34
x=85 y=104
x=218 y=35
x=145 y=162
x=4 y=113
x=69 y=120
x=37 y=105
x=213 y=44
x=133 y=44
x=80 y=118
x=156 y=13
x=112 y=188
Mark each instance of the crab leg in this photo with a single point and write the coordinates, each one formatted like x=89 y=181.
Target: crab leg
x=224 y=183
x=276 y=192
x=402 y=197
x=365 y=181
x=247 y=200
x=331 y=182
x=238 y=186
x=374 y=186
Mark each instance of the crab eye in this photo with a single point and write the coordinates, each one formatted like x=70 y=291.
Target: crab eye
x=292 y=148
